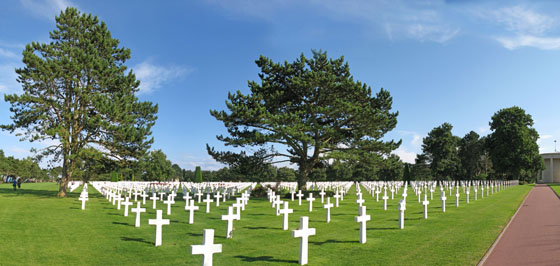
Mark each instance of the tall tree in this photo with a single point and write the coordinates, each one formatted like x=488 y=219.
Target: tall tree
x=157 y=167
x=471 y=150
x=513 y=144
x=440 y=146
x=312 y=106
x=77 y=91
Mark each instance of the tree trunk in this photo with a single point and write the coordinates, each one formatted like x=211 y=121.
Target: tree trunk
x=305 y=170
x=63 y=187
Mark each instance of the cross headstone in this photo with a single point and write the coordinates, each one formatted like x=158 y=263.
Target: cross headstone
x=336 y=197
x=285 y=213
x=328 y=206
x=292 y=193
x=199 y=195
x=310 y=199
x=457 y=198
x=425 y=203
x=169 y=201
x=278 y=202
x=217 y=196
x=126 y=203
x=138 y=210
x=154 y=198
x=83 y=198
x=229 y=218
x=362 y=219
x=143 y=196
x=385 y=198
x=158 y=222
x=191 y=208
x=322 y=193
x=208 y=248
x=468 y=192
x=443 y=199
x=304 y=232
x=119 y=199
x=299 y=195
x=402 y=208
x=208 y=200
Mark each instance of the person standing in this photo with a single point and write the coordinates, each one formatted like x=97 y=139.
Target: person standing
x=15 y=183
x=19 y=184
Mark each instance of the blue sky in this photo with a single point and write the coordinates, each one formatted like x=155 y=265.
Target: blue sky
x=443 y=61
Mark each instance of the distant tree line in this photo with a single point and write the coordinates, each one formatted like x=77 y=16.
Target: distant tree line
x=28 y=169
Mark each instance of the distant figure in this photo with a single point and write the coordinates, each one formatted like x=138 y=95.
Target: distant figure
x=15 y=183
x=19 y=183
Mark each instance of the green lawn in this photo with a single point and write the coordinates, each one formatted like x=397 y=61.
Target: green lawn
x=39 y=229
x=555 y=187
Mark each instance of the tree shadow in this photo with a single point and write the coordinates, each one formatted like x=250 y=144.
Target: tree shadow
x=116 y=214
x=8 y=192
x=140 y=240
x=384 y=228
x=330 y=241
x=264 y=258
x=123 y=223
x=177 y=222
x=258 y=227
x=194 y=234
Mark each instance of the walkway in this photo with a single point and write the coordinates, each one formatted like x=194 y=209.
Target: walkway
x=533 y=236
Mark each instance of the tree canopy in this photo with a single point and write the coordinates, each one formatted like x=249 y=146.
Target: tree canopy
x=77 y=92
x=513 y=144
x=440 y=148
x=314 y=108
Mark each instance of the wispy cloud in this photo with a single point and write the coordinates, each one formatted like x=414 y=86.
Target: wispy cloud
x=483 y=130
x=153 y=76
x=398 y=19
x=8 y=78
x=524 y=27
x=47 y=9
x=190 y=162
x=406 y=156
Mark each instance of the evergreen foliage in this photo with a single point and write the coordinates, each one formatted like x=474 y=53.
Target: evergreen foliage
x=198 y=175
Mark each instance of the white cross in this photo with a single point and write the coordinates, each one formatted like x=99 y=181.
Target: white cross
x=191 y=208
x=293 y=192
x=402 y=208
x=138 y=210
x=229 y=217
x=208 y=248
x=336 y=197
x=158 y=222
x=136 y=193
x=217 y=196
x=310 y=199
x=299 y=195
x=119 y=199
x=186 y=197
x=126 y=203
x=144 y=196
x=154 y=198
x=278 y=202
x=377 y=195
x=322 y=193
x=362 y=219
x=385 y=198
x=468 y=194
x=238 y=204
x=360 y=201
x=443 y=199
x=285 y=212
x=457 y=198
x=208 y=201
x=83 y=198
x=304 y=232
x=169 y=201
x=425 y=203
x=161 y=194
x=199 y=194
x=328 y=206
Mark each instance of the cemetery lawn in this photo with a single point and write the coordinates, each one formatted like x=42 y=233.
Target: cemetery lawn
x=39 y=229
x=556 y=188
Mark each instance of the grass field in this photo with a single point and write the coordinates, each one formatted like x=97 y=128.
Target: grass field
x=555 y=187
x=39 y=229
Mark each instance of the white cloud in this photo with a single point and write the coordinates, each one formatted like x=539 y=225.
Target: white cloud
x=8 y=78
x=153 y=77
x=46 y=8
x=406 y=156
x=417 y=141
x=525 y=27
x=435 y=33
x=190 y=162
x=7 y=54
x=483 y=130
x=19 y=152
x=546 y=137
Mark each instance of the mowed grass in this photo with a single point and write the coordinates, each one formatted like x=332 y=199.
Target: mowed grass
x=39 y=229
x=555 y=187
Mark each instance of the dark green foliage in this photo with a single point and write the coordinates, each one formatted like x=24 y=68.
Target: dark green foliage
x=314 y=107
x=259 y=191
x=421 y=169
x=440 y=148
x=471 y=150
x=156 y=167
x=77 y=91
x=198 y=175
x=513 y=145
x=27 y=168
x=391 y=169
x=114 y=177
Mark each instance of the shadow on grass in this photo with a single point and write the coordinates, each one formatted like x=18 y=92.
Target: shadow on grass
x=123 y=223
x=258 y=227
x=177 y=222
x=331 y=241
x=264 y=258
x=382 y=228
x=194 y=234
x=140 y=240
x=8 y=192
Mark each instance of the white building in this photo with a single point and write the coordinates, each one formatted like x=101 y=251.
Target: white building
x=551 y=172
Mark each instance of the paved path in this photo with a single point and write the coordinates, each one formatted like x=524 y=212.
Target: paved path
x=533 y=236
